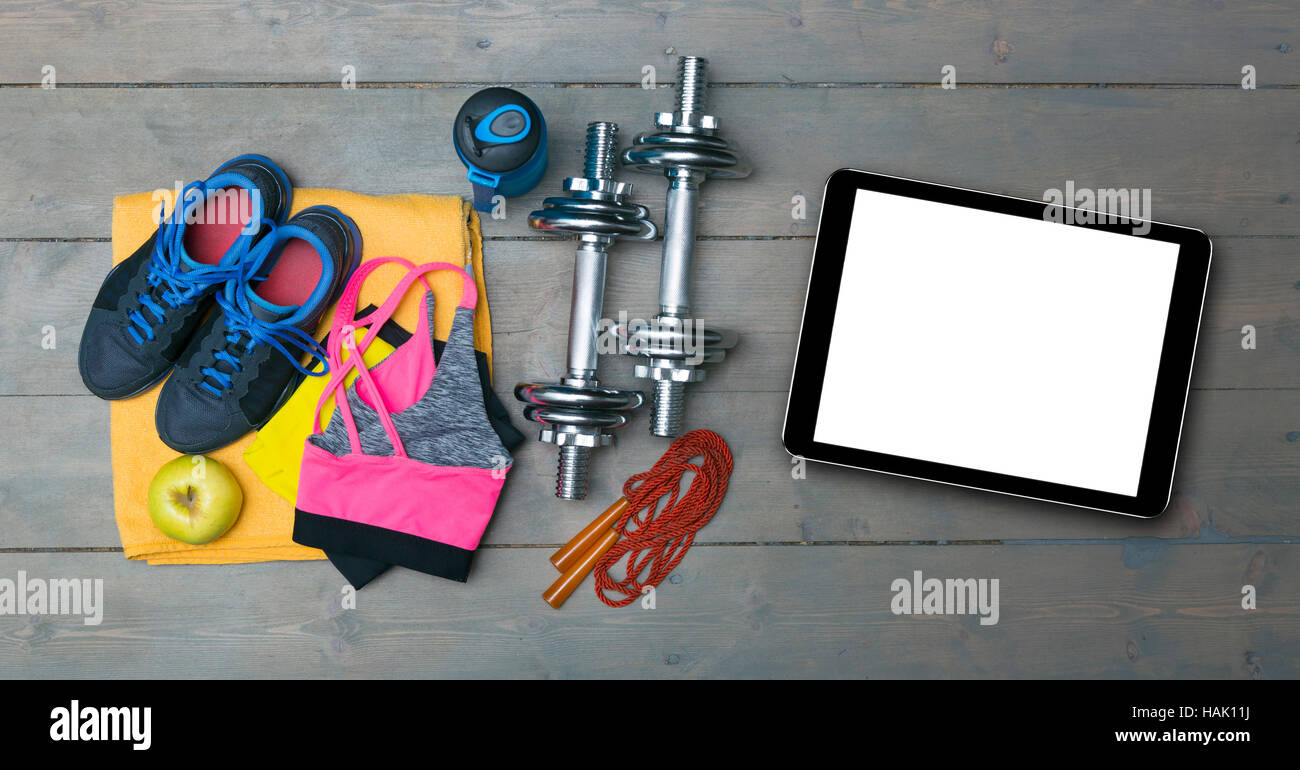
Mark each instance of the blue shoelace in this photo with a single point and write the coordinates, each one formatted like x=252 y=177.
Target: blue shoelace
x=167 y=281
x=244 y=327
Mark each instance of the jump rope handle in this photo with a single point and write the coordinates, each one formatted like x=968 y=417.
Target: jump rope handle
x=578 y=556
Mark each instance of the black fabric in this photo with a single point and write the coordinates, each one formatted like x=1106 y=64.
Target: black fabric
x=353 y=539
x=192 y=420
x=358 y=570
x=112 y=364
x=115 y=283
x=333 y=233
x=267 y=182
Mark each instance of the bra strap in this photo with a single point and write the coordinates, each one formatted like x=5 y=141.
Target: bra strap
x=343 y=337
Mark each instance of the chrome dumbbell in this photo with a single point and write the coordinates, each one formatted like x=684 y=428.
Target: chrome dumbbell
x=577 y=414
x=688 y=150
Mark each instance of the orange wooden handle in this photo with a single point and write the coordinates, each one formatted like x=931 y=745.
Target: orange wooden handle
x=593 y=532
x=579 y=569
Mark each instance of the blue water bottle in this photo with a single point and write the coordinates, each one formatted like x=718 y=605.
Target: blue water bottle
x=500 y=136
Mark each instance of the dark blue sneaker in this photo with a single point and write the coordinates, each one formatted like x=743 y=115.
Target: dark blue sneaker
x=237 y=370
x=150 y=304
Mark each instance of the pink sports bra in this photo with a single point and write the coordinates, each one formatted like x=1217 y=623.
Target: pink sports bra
x=412 y=471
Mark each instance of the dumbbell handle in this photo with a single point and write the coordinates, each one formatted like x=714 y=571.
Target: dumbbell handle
x=582 y=542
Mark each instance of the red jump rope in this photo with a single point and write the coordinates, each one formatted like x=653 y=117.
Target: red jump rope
x=653 y=537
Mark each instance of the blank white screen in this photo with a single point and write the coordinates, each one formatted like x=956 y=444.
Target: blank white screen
x=996 y=342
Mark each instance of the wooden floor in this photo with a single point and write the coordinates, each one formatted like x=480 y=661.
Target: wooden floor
x=792 y=578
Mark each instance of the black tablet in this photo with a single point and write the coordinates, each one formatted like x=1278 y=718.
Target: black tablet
x=1004 y=344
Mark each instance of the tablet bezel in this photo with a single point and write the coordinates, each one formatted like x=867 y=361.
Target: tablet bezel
x=1173 y=380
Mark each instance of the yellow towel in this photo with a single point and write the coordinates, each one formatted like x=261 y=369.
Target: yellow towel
x=421 y=228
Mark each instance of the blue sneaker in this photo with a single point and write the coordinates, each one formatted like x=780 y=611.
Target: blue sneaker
x=150 y=304
x=237 y=370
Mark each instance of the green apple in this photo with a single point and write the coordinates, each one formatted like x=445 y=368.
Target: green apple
x=194 y=499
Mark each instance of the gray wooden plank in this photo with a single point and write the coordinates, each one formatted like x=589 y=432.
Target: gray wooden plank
x=758 y=287
x=755 y=287
x=1238 y=479
x=760 y=612
x=1224 y=160
x=1161 y=41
